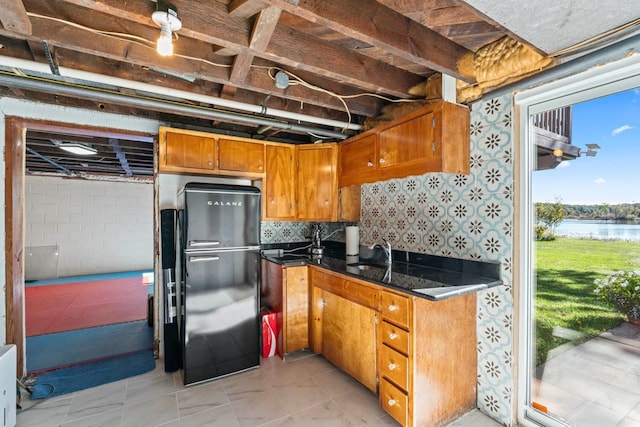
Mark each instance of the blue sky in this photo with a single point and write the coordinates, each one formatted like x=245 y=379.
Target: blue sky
x=613 y=175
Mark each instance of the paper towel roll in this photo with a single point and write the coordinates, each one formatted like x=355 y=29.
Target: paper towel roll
x=353 y=239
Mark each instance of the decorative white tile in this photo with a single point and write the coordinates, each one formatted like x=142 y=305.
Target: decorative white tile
x=463 y=216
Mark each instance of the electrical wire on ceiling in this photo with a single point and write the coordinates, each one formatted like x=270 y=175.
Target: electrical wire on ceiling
x=141 y=41
x=296 y=79
x=300 y=81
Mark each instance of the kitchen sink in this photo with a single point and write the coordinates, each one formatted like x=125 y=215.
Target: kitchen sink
x=367 y=266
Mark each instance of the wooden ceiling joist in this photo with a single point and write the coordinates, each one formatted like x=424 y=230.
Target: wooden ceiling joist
x=14 y=17
x=382 y=27
x=263 y=28
x=210 y=22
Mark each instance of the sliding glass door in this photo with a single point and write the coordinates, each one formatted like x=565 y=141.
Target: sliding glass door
x=566 y=369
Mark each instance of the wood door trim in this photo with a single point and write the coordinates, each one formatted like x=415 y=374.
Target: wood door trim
x=15 y=137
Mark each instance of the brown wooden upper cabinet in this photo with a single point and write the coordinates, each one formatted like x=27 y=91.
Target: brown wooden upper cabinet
x=434 y=138
x=301 y=183
x=279 y=185
x=186 y=151
x=240 y=156
x=317 y=182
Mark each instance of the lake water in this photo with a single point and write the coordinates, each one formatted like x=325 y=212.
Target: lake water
x=598 y=229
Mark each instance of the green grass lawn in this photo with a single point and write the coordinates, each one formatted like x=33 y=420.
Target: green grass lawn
x=565 y=270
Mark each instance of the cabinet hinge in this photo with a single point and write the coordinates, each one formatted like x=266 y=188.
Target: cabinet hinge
x=433 y=122
x=433 y=146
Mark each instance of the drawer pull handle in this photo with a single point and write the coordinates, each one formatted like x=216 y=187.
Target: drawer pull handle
x=370 y=164
x=392 y=366
x=391 y=402
x=393 y=307
x=382 y=161
x=393 y=336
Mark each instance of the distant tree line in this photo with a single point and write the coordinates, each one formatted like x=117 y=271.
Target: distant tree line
x=623 y=211
x=550 y=215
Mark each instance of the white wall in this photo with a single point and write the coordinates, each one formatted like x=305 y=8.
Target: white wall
x=33 y=110
x=98 y=226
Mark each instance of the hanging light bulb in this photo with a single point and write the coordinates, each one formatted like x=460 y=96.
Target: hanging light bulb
x=165 y=44
x=167 y=18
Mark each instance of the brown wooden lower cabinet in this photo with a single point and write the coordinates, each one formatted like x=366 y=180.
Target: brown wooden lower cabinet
x=418 y=355
x=295 y=289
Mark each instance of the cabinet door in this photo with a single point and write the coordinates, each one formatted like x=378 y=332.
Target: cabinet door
x=240 y=156
x=185 y=152
x=349 y=338
x=296 y=291
x=317 y=183
x=357 y=160
x=279 y=183
x=410 y=142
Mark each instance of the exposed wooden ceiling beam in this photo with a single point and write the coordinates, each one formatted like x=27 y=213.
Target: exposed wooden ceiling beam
x=383 y=27
x=78 y=52
x=210 y=22
x=14 y=16
x=263 y=28
x=245 y=8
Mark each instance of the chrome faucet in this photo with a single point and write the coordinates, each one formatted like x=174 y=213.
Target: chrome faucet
x=387 y=250
x=316 y=241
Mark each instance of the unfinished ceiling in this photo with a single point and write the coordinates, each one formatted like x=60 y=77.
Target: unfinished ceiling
x=341 y=62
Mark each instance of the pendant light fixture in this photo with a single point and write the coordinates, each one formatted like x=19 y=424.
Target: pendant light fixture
x=166 y=17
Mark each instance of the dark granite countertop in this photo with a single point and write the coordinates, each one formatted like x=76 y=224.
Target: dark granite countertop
x=427 y=276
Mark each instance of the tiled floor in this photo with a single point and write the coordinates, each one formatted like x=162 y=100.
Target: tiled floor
x=596 y=383
x=306 y=390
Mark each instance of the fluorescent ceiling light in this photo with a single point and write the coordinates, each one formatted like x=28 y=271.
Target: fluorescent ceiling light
x=77 y=148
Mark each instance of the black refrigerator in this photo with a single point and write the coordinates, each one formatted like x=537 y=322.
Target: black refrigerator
x=219 y=240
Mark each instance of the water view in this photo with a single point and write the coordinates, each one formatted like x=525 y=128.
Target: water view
x=599 y=229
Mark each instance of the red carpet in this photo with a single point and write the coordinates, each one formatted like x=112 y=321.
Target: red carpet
x=66 y=307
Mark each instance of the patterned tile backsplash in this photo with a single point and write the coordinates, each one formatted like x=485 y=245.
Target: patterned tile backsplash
x=291 y=232
x=462 y=216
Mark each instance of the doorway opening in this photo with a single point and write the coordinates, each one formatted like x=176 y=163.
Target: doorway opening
x=579 y=360
x=85 y=224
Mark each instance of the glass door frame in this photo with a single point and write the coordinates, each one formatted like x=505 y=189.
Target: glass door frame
x=597 y=82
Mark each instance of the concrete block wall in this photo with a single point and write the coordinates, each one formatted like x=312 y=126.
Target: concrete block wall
x=98 y=226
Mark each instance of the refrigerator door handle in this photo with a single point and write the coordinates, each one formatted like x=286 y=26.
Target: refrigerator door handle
x=203 y=258
x=204 y=243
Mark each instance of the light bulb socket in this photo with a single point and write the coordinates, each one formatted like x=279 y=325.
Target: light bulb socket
x=166 y=17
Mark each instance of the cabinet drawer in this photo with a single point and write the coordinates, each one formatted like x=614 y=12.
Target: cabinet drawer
x=394 y=366
x=393 y=401
x=327 y=281
x=395 y=337
x=395 y=308
x=362 y=294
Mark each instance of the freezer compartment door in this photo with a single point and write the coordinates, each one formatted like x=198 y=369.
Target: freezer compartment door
x=220 y=218
x=221 y=314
